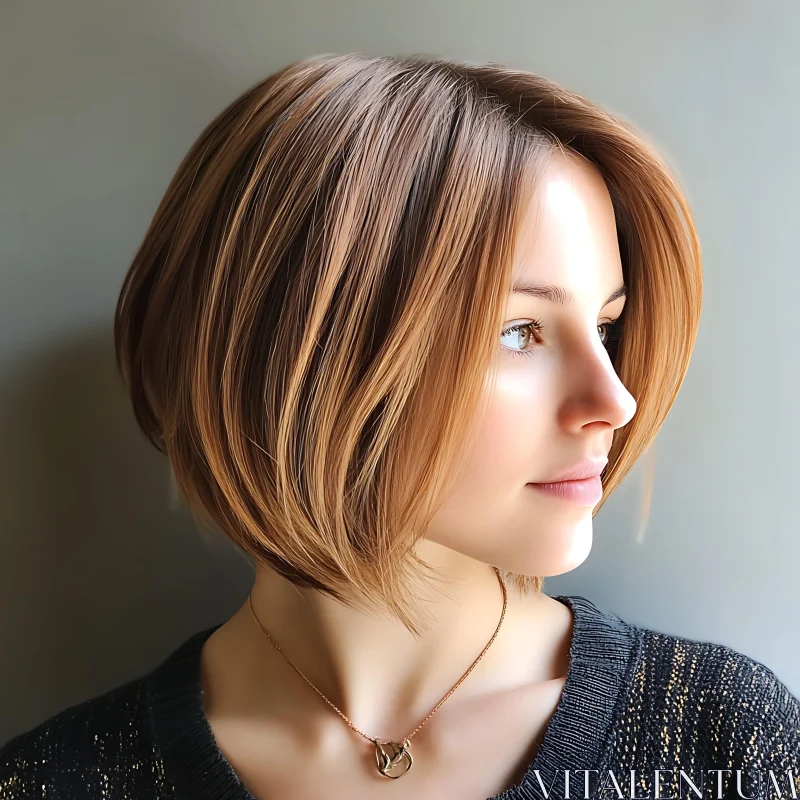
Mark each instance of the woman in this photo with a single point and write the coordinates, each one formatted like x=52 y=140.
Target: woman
x=309 y=332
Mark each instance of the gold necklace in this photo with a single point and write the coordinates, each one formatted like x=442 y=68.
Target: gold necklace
x=393 y=758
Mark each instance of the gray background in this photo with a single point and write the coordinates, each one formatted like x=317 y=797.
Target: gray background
x=101 y=575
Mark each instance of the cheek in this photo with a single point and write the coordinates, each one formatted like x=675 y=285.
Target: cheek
x=510 y=437
x=490 y=515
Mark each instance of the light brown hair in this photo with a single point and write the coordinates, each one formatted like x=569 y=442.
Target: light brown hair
x=306 y=329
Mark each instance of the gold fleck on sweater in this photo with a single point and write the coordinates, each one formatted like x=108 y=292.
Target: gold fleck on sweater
x=635 y=701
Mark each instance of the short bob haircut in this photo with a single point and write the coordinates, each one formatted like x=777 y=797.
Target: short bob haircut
x=307 y=326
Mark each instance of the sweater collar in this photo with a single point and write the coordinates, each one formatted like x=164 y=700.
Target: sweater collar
x=575 y=737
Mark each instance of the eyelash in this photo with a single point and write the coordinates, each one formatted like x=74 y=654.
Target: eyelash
x=616 y=329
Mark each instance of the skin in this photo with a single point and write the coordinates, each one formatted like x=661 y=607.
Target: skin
x=547 y=412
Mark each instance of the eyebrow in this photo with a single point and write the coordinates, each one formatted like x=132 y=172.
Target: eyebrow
x=558 y=294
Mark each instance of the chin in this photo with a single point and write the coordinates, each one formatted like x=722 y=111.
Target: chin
x=547 y=549
x=535 y=567
x=550 y=555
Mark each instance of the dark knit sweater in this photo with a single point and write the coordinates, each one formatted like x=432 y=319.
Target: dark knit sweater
x=634 y=701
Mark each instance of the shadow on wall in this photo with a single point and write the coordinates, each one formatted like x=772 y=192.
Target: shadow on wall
x=100 y=577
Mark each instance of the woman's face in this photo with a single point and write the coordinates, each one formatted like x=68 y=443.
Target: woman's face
x=557 y=399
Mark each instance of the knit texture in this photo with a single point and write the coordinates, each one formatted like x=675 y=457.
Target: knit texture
x=635 y=701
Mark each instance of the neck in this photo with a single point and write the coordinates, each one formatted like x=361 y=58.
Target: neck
x=380 y=676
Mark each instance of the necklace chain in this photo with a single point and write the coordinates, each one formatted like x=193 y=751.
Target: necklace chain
x=436 y=707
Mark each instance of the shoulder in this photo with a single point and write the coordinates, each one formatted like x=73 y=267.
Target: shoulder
x=728 y=701
x=82 y=751
x=728 y=677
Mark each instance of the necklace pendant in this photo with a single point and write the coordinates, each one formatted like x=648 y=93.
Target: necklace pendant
x=393 y=757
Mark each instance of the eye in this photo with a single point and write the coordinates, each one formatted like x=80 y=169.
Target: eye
x=614 y=331
x=522 y=331
x=522 y=335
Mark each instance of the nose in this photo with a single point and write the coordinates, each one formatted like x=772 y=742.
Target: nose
x=593 y=392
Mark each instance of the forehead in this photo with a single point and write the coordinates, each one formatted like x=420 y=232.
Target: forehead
x=568 y=233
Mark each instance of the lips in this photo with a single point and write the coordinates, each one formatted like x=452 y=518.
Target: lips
x=583 y=470
x=587 y=492
x=581 y=483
